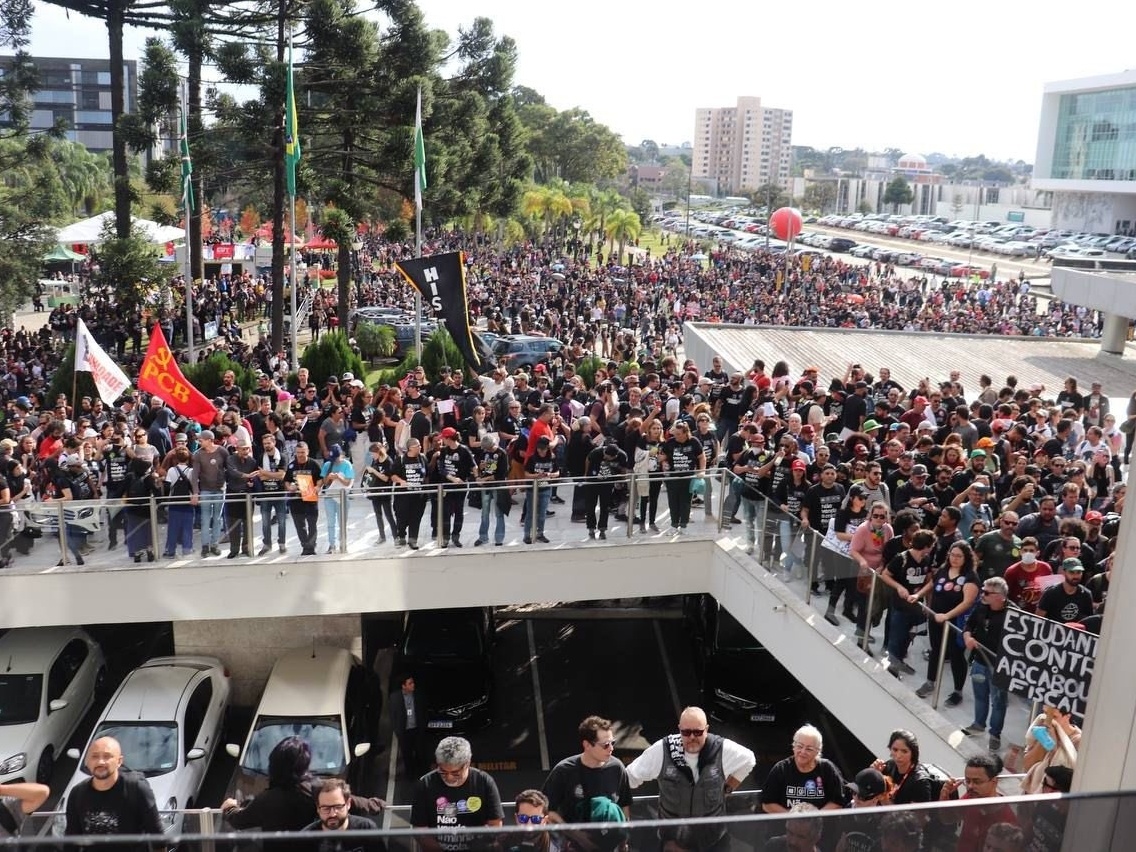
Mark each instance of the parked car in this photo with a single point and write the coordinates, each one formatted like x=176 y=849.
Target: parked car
x=862 y=250
x=841 y=244
x=740 y=680
x=525 y=351
x=323 y=695
x=965 y=271
x=450 y=654
x=168 y=715
x=908 y=258
x=49 y=678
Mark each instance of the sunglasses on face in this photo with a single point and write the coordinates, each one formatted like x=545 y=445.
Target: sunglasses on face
x=525 y=819
x=692 y=732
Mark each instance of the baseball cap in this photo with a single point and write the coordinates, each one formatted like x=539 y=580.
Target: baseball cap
x=927 y=424
x=860 y=385
x=540 y=368
x=1072 y=565
x=861 y=450
x=919 y=470
x=869 y=784
x=978 y=454
x=243 y=442
x=1090 y=517
x=857 y=491
x=449 y=432
x=347 y=377
x=799 y=465
x=984 y=443
x=206 y=435
x=920 y=400
x=181 y=438
x=72 y=460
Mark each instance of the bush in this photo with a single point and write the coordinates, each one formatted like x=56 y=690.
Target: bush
x=63 y=377
x=331 y=355
x=627 y=367
x=374 y=340
x=586 y=369
x=206 y=375
x=438 y=351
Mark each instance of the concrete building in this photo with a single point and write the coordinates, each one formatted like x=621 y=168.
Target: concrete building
x=1086 y=153
x=743 y=147
x=78 y=92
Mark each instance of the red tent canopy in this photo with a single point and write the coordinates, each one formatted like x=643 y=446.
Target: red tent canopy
x=321 y=242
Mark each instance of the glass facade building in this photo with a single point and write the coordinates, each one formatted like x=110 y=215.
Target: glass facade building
x=1095 y=136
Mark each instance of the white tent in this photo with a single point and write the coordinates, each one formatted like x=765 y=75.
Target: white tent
x=90 y=231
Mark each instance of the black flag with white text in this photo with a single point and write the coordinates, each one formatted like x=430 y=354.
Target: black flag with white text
x=440 y=279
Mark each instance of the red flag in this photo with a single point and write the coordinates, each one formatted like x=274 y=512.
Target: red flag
x=162 y=377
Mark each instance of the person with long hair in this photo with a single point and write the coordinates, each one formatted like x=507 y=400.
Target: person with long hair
x=409 y=475
x=911 y=782
x=377 y=481
x=289 y=803
x=951 y=594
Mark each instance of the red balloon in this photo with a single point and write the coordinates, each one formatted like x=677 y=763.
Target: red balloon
x=786 y=223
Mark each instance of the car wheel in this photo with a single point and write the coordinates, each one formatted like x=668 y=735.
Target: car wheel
x=46 y=767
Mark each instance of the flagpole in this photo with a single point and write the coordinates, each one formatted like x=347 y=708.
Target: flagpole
x=292 y=156
x=185 y=190
x=419 y=185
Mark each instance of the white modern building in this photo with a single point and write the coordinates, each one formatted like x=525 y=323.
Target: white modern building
x=1086 y=152
x=742 y=147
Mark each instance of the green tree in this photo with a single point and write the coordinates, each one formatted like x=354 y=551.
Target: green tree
x=338 y=226
x=865 y=207
x=375 y=340
x=898 y=192
x=769 y=196
x=331 y=355
x=819 y=195
x=129 y=266
x=622 y=226
x=86 y=177
x=650 y=149
x=676 y=180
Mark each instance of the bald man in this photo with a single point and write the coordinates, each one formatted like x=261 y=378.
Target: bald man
x=111 y=801
x=696 y=770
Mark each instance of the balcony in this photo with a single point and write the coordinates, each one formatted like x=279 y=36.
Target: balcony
x=363 y=575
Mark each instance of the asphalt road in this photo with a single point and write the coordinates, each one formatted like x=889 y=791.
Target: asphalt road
x=552 y=667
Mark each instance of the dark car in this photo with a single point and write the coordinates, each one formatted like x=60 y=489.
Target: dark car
x=841 y=244
x=525 y=351
x=740 y=679
x=450 y=654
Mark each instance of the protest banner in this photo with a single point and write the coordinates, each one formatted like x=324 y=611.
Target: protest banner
x=1046 y=661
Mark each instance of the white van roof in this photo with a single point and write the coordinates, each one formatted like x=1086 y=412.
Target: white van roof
x=307 y=682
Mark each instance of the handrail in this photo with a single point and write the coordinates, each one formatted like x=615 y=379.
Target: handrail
x=815 y=538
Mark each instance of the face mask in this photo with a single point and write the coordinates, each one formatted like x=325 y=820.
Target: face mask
x=1029 y=558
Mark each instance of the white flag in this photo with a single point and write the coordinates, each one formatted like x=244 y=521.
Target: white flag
x=90 y=358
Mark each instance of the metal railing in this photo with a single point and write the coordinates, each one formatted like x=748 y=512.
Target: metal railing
x=70 y=523
x=822 y=564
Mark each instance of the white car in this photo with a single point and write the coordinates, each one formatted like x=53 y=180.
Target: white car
x=167 y=715
x=49 y=678
x=323 y=695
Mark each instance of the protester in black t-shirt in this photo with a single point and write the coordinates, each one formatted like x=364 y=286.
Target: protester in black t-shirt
x=681 y=457
x=603 y=467
x=455 y=796
x=1069 y=600
x=111 y=801
x=906 y=574
x=804 y=777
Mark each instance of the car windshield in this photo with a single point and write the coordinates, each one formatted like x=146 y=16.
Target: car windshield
x=501 y=347
x=20 y=698
x=322 y=733
x=147 y=747
x=443 y=639
x=731 y=635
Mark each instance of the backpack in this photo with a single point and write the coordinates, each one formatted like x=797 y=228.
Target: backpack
x=180 y=489
x=500 y=406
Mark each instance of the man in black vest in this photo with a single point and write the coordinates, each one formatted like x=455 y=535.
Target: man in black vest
x=696 y=770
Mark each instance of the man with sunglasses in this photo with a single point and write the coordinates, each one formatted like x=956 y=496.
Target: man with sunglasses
x=696 y=770
x=593 y=773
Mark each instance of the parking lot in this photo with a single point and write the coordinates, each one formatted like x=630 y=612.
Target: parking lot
x=552 y=666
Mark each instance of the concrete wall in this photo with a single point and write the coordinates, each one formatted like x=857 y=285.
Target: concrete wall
x=250 y=646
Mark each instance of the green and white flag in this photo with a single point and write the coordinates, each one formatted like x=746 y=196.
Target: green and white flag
x=186 y=166
x=419 y=156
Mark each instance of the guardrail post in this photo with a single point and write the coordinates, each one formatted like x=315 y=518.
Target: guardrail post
x=810 y=573
x=761 y=535
x=207 y=828
x=867 y=616
x=439 y=514
x=942 y=659
x=532 y=510
x=249 y=536
x=154 y=525
x=632 y=504
x=62 y=531
x=344 y=503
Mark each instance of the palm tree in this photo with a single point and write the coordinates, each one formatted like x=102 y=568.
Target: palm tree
x=622 y=225
x=338 y=226
x=605 y=203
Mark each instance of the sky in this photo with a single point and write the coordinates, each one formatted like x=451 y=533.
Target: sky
x=962 y=78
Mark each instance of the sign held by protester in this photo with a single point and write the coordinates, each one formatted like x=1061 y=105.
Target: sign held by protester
x=109 y=379
x=161 y=376
x=1046 y=661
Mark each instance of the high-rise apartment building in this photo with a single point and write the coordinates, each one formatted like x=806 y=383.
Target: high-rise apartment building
x=742 y=147
x=78 y=92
